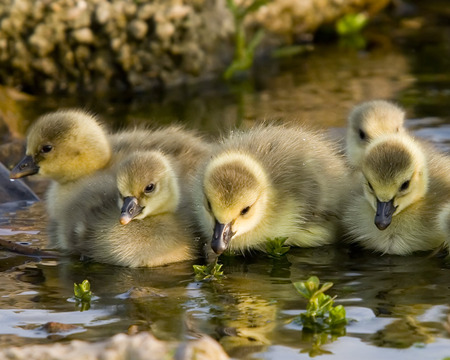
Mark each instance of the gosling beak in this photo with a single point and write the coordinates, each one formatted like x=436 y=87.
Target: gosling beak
x=25 y=167
x=130 y=209
x=221 y=237
x=385 y=210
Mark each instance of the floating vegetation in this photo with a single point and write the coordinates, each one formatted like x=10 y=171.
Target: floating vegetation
x=208 y=272
x=275 y=247
x=83 y=294
x=321 y=315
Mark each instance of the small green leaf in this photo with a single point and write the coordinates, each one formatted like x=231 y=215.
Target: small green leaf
x=351 y=24
x=337 y=316
x=83 y=294
x=82 y=291
x=302 y=290
x=199 y=269
x=326 y=286
x=208 y=272
x=275 y=247
x=312 y=284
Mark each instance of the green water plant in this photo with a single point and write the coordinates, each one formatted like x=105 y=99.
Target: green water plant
x=321 y=314
x=208 y=272
x=83 y=294
x=275 y=247
x=351 y=24
x=349 y=29
x=244 y=50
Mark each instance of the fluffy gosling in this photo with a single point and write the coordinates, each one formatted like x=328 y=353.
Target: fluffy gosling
x=405 y=185
x=148 y=190
x=70 y=146
x=268 y=182
x=64 y=146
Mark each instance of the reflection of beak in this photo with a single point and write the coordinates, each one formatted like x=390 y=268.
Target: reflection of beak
x=383 y=217
x=130 y=209
x=221 y=237
x=25 y=167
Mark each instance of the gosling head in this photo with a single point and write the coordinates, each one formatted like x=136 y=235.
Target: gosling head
x=148 y=185
x=64 y=146
x=369 y=121
x=235 y=195
x=396 y=176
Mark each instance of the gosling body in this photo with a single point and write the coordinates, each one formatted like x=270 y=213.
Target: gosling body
x=158 y=233
x=368 y=121
x=404 y=186
x=268 y=182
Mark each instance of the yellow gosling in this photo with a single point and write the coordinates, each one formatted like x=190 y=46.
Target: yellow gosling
x=150 y=195
x=70 y=146
x=268 y=182
x=64 y=146
x=405 y=185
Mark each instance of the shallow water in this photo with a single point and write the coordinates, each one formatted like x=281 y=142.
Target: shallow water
x=398 y=306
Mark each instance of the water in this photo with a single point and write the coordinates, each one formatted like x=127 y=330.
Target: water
x=398 y=306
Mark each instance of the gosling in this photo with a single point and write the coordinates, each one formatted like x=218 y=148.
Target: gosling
x=64 y=146
x=68 y=146
x=368 y=121
x=268 y=182
x=405 y=186
x=146 y=190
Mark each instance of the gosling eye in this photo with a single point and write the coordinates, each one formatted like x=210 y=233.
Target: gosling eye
x=404 y=186
x=362 y=135
x=245 y=210
x=370 y=186
x=149 y=188
x=46 y=149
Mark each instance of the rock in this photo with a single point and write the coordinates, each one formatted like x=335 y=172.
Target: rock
x=165 y=30
x=203 y=349
x=142 y=346
x=103 y=12
x=56 y=327
x=146 y=11
x=40 y=41
x=83 y=36
x=138 y=29
x=178 y=12
x=188 y=41
x=129 y=9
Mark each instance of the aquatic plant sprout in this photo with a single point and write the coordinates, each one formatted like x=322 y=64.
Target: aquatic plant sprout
x=321 y=315
x=208 y=272
x=275 y=247
x=244 y=51
x=83 y=294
